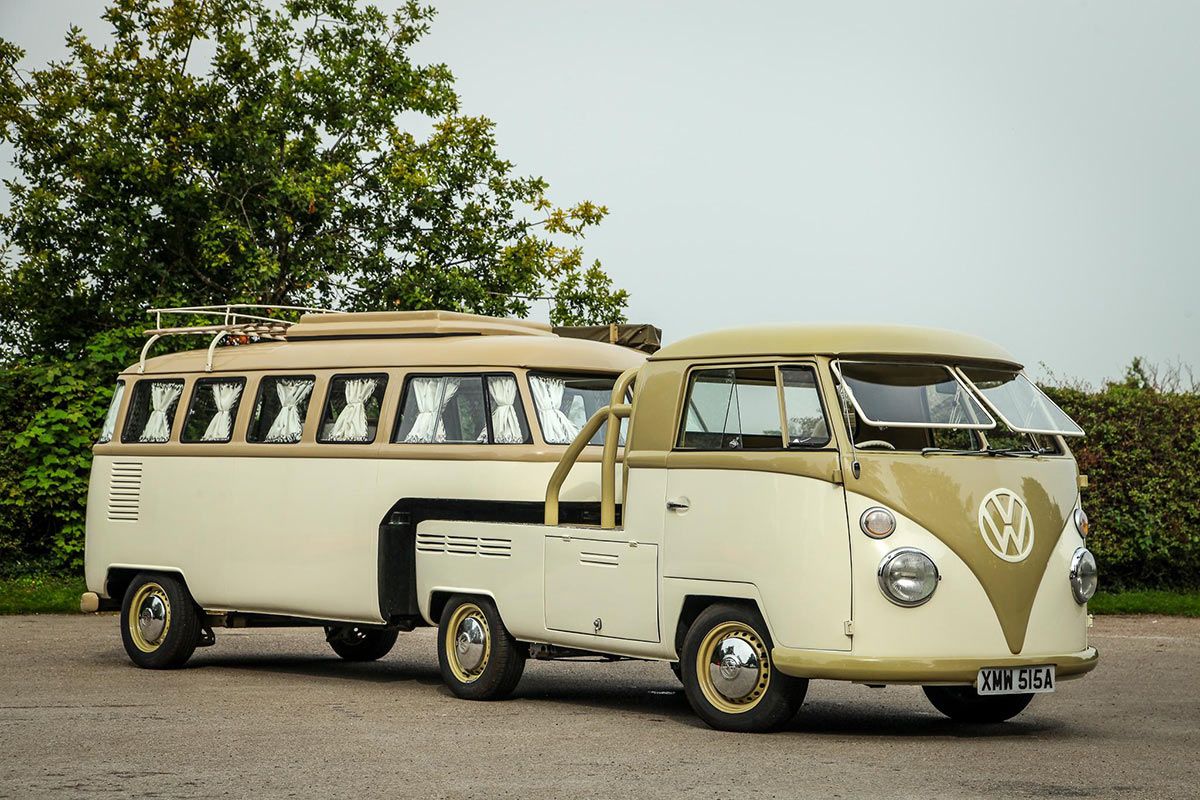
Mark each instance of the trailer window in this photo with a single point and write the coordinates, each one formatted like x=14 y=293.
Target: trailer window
x=352 y=409
x=213 y=409
x=280 y=409
x=152 y=411
x=108 y=429
x=564 y=403
x=732 y=409
x=461 y=409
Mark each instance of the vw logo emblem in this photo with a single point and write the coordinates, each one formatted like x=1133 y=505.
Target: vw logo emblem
x=1005 y=525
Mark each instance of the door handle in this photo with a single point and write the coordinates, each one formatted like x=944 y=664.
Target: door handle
x=678 y=504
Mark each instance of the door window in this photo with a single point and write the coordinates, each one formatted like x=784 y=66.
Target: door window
x=806 y=423
x=732 y=409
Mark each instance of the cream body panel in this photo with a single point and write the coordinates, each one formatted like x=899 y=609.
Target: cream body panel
x=516 y=584
x=294 y=536
x=958 y=621
x=785 y=534
x=601 y=586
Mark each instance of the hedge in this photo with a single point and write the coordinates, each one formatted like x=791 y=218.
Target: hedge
x=1140 y=454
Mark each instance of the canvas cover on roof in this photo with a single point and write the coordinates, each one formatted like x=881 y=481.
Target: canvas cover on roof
x=642 y=337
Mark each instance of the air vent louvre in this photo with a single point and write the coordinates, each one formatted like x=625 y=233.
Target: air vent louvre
x=458 y=544
x=125 y=491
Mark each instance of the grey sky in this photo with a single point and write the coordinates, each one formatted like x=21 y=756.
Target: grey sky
x=1026 y=171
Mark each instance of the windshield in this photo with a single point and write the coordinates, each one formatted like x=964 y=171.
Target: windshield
x=1019 y=403
x=911 y=396
x=564 y=403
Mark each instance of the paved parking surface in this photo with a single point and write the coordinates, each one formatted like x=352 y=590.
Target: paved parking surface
x=271 y=713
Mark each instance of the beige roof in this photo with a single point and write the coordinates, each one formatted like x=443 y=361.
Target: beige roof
x=844 y=340
x=411 y=323
x=540 y=351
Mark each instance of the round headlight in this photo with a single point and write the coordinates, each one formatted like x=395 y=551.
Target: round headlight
x=1084 y=575
x=878 y=523
x=1081 y=522
x=907 y=577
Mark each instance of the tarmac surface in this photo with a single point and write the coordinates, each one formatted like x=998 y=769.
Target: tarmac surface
x=274 y=713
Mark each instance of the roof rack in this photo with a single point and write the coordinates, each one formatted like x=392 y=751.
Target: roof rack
x=231 y=319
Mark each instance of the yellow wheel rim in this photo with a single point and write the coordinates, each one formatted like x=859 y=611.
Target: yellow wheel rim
x=149 y=617
x=468 y=642
x=733 y=667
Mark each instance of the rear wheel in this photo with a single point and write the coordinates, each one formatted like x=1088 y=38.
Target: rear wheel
x=964 y=704
x=728 y=676
x=478 y=657
x=160 y=623
x=354 y=643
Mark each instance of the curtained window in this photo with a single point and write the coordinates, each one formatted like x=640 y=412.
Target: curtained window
x=352 y=409
x=152 y=411
x=280 y=409
x=564 y=403
x=213 y=409
x=460 y=409
x=110 y=419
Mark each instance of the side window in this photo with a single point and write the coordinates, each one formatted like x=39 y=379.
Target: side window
x=509 y=425
x=806 y=423
x=152 y=410
x=213 y=409
x=564 y=403
x=458 y=409
x=280 y=409
x=352 y=409
x=732 y=409
x=110 y=419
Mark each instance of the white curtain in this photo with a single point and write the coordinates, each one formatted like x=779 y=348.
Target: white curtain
x=110 y=419
x=351 y=424
x=557 y=428
x=225 y=397
x=432 y=395
x=288 y=426
x=162 y=399
x=506 y=425
x=577 y=413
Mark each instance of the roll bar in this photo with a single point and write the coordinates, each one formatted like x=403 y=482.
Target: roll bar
x=612 y=413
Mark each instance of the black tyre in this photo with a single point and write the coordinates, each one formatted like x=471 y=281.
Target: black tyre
x=160 y=623
x=964 y=704
x=478 y=657
x=728 y=676
x=354 y=643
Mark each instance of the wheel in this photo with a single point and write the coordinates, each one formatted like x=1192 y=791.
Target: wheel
x=160 y=623
x=360 y=644
x=728 y=676
x=964 y=704
x=478 y=657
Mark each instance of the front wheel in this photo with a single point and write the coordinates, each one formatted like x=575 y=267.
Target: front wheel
x=360 y=644
x=478 y=658
x=728 y=676
x=964 y=704
x=160 y=623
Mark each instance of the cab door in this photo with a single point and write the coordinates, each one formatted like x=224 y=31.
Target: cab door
x=752 y=498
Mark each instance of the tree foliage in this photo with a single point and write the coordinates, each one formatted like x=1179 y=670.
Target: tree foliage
x=242 y=150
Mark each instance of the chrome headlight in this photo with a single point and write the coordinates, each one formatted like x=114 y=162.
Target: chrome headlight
x=908 y=577
x=1084 y=575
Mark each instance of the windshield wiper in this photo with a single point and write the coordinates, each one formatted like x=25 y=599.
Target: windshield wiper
x=1019 y=452
x=941 y=451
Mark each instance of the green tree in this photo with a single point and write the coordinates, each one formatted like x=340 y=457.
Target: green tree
x=238 y=150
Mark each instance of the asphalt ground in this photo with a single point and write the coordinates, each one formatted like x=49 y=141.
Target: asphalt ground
x=273 y=713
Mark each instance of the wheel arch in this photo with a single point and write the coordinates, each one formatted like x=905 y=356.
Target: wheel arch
x=695 y=604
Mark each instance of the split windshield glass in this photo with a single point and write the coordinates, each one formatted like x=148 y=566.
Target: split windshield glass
x=911 y=396
x=1019 y=403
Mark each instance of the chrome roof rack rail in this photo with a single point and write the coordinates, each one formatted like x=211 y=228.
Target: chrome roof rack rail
x=231 y=319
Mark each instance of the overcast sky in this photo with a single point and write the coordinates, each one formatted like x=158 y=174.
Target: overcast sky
x=1025 y=171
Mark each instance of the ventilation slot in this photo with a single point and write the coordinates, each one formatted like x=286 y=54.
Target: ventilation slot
x=599 y=559
x=125 y=491
x=460 y=545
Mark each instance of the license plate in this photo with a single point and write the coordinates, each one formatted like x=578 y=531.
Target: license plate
x=1015 y=680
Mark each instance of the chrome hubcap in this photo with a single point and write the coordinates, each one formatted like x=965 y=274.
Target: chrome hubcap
x=469 y=642
x=733 y=668
x=152 y=619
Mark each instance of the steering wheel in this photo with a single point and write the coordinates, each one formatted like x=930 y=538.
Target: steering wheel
x=875 y=443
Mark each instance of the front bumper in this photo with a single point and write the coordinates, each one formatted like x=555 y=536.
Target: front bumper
x=847 y=667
